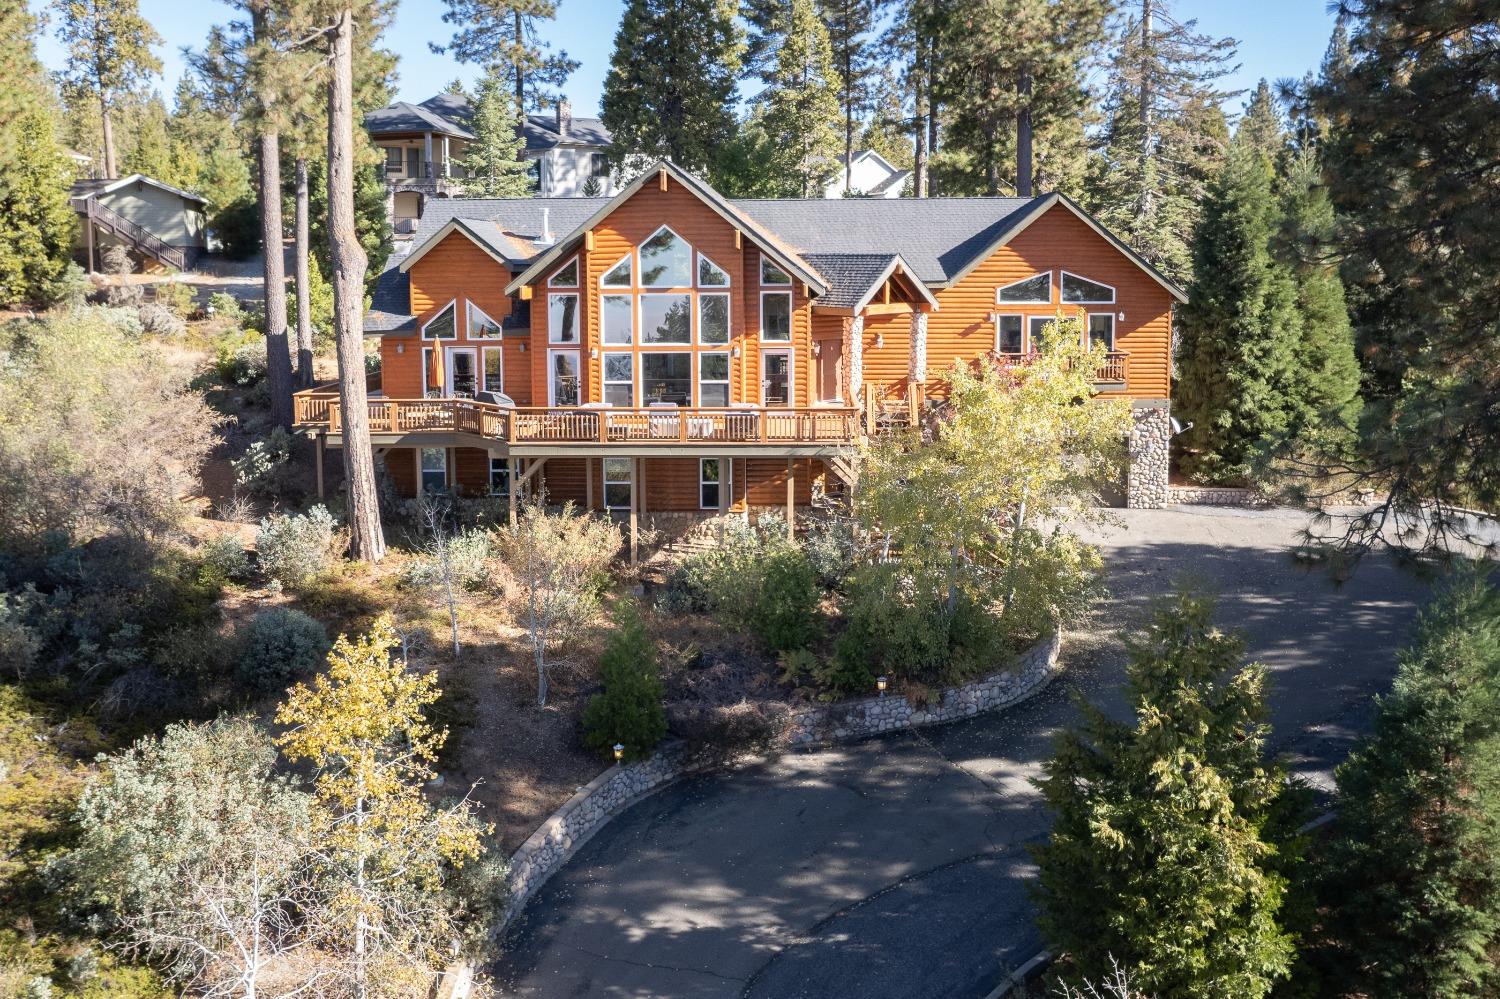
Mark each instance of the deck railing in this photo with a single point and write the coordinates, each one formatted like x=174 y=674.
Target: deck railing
x=587 y=425
x=1111 y=372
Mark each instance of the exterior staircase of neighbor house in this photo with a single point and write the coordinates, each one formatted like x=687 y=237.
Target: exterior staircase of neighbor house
x=134 y=236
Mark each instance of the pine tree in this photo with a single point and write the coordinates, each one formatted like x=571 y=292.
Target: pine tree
x=505 y=34
x=1163 y=136
x=1013 y=71
x=887 y=131
x=34 y=175
x=1412 y=877
x=1238 y=381
x=629 y=710
x=851 y=26
x=109 y=54
x=801 y=105
x=1159 y=857
x=910 y=43
x=1414 y=136
x=1262 y=127
x=671 y=83
x=492 y=162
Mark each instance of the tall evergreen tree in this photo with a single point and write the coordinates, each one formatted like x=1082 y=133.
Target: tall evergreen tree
x=671 y=82
x=1162 y=856
x=851 y=26
x=109 y=54
x=887 y=131
x=1262 y=126
x=152 y=151
x=34 y=175
x=801 y=105
x=504 y=36
x=1412 y=876
x=1238 y=381
x=492 y=162
x=1014 y=70
x=1163 y=135
x=910 y=43
x=1411 y=163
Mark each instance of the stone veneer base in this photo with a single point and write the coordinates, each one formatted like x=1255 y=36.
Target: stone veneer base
x=593 y=805
x=1214 y=496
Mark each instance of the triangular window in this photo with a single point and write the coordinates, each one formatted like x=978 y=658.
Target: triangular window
x=441 y=326
x=566 y=276
x=1032 y=291
x=771 y=274
x=710 y=275
x=1081 y=291
x=666 y=260
x=481 y=326
x=617 y=276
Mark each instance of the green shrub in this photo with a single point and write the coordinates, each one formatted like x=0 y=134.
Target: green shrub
x=159 y=320
x=295 y=548
x=238 y=227
x=279 y=647
x=265 y=469
x=222 y=305
x=243 y=364
x=222 y=560
x=784 y=613
x=467 y=552
x=886 y=632
x=833 y=551
x=629 y=710
x=1054 y=576
x=175 y=296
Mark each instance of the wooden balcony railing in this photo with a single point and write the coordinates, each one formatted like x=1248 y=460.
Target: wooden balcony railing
x=1111 y=372
x=587 y=425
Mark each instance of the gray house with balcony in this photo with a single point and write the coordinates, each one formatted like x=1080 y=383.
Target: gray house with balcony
x=424 y=146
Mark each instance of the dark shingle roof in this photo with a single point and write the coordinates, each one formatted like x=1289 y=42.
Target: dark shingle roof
x=850 y=276
x=935 y=236
x=403 y=117
x=452 y=114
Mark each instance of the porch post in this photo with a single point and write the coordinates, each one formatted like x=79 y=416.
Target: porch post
x=319 y=461
x=917 y=370
x=588 y=484
x=510 y=489
x=726 y=483
x=856 y=355
x=791 y=497
x=427 y=147
x=445 y=156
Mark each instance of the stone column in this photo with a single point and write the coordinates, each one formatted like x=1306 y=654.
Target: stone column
x=855 y=353
x=917 y=369
x=1149 y=450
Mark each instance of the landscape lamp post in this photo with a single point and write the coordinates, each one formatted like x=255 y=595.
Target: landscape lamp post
x=880 y=683
x=619 y=752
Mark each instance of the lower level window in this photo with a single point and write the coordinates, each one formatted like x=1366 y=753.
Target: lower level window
x=1102 y=330
x=1008 y=335
x=499 y=476
x=434 y=469
x=617 y=483
x=711 y=479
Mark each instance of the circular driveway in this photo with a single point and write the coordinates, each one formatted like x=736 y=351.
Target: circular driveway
x=897 y=866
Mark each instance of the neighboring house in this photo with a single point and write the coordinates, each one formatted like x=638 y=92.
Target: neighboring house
x=674 y=352
x=157 y=221
x=424 y=145
x=870 y=176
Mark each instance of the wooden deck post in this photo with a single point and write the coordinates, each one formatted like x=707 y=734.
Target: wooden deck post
x=510 y=489
x=588 y=484
x=635 y=502
x=791 y=498
x=319 y=465
x=726 y=483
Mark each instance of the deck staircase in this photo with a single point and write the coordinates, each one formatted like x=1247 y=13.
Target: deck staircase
x=142 y=241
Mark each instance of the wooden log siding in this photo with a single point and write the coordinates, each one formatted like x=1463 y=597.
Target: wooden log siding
x=1059 y=240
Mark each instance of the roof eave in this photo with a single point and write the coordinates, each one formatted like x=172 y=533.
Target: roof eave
x=449 y=227
x=897 y=263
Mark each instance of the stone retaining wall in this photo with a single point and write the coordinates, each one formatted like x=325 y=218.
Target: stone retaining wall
x=1214 y=496
x=608 y=794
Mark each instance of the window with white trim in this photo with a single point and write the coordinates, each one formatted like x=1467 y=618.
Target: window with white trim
x=1037 y=325
x=667 y=376
x=770 y=274
x=617 y=483
x=713 y=317
x=666 y=260
x=1101 y=330
x=442 y=326
x=710 y=274
x=710 y=481
x=1078 y=290
x=565 y=276
x=776 y=316
x=619 y=379
x=1035 y=290
x=499 y=476
x=617 y=276
x=427 y=385
x=617 y=318
x=494 y=370
x=713 y=378
x=1010 y=336
x=666 y=318
x=562 y=318
x=434 y=469
x=481 y=326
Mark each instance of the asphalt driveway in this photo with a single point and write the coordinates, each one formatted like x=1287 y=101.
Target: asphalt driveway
x=897 y=866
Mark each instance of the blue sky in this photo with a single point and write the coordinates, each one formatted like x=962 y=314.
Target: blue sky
x=1278 y=38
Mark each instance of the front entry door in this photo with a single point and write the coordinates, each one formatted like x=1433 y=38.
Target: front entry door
x=463 y=372
x=776 y=377
x=830 y=371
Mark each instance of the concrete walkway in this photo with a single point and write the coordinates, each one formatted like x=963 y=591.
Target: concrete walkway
x=897 y=866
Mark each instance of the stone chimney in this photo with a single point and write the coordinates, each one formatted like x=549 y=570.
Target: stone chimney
x=564 y=117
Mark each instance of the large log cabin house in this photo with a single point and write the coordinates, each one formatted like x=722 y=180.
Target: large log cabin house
x=669 y=351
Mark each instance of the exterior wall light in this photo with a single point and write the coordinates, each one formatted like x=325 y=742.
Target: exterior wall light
x=400 y=348
x=880 y=684
x=1122 y=316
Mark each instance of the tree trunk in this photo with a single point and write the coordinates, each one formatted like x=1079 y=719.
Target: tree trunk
x=919 y=115
x=520 y=28
x=1023 y=139
x=109 y=136
x=303 y=250
x=273 y=273
x=366 y=540
x=1147 y=206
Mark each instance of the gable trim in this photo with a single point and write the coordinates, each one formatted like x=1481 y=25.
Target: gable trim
x=711 y=198
x=453 y=225
x=1040 y=208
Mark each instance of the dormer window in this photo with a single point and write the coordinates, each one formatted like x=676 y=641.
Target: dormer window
x=1081 y=291
x=617 y=276
x=566 y=276
x=771 y=274
x=1035 y=290
x=441 y=326
x=666 y=261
